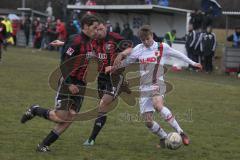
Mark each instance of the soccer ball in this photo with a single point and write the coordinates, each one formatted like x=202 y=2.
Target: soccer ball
x=173 y=141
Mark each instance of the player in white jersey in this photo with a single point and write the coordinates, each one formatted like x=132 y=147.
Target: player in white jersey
x=151 y=56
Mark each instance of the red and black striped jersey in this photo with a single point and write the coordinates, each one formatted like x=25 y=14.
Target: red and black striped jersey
x=74 y=59
x=107 y=49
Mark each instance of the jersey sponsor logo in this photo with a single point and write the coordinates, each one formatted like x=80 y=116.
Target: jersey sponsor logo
x=90 y=55
x=102 y=56
x=148 y=60
x=70 y=51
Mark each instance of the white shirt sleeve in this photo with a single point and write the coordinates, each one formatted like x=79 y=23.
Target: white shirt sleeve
x=168 y=51
x=132 y=58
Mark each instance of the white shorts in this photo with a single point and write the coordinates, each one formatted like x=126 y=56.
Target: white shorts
x=147 y=92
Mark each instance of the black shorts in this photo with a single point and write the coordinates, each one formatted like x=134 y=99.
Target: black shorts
x=109 y=84
x=65 y=100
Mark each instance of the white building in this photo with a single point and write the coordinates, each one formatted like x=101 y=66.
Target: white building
x=162 y=19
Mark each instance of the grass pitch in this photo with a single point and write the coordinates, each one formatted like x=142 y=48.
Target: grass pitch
x=207 y=107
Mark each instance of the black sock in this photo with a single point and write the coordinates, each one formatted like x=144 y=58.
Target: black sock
x=41 y=112
x=51 y=137
x=98 y=125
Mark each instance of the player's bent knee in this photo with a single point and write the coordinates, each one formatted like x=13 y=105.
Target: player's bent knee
x=158 y=107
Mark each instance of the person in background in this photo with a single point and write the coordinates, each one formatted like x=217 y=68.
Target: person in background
x=77 y=25
x=26 y=29
x=163 y=2
x=38 y=34
x=61 y=31
x=117 y=28
x=71 y=29
x=9 y=31
x=208 y=47
x=109 y=26
x=235 y=38
x=127 y=32
x=16 y=28
x=91 y=3
x=148 y=2
x=190 y=39
x=170 y=37
x=197 y=54
x=2 y=36
x=196 y=19
x=45 y=37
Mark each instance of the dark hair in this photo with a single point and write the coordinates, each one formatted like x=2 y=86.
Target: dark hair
x=89 y=19
x=144 y=32
x=174 y=31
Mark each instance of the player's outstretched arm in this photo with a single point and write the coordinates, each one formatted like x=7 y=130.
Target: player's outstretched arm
x=122 y=55
x=168 y=51
x=56 y=43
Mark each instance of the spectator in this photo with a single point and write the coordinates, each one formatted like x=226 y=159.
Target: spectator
x=197 y=54
x=109 y=26
x=196 y=19
x=38 y=34
x=78 y=3
x=163 y=2
x=16 y=28
x=26 y=29
x=117 y=28
x=77 y=25
x=190 y=39
x=207 y=19
x=2 y=36
x=71 y=29
x=9 y=31
x=61 y=30
x=52 y=33
x=127 y=32
x=148 y=2
x=208 y=47
x=91 y=3
x=235 y=38
x=170 y=37
x=45 y=33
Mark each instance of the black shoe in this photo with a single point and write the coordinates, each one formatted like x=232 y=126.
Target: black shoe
x=28 y=115
x=162 y=143
x=42 y=148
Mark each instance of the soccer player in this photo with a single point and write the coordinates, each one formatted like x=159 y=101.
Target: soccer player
x=72 y=84
x=108 y=48
x=151 y=56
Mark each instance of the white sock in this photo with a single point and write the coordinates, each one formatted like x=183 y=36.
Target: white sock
x=167 y=115
x=156 y=129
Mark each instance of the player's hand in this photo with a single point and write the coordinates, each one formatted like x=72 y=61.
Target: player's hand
x=56 y=43
x=109 y=69
x=73 y=89
x=118 y=59
x=198 y=65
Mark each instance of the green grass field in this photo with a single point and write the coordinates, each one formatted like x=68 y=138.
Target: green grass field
x=207 y=106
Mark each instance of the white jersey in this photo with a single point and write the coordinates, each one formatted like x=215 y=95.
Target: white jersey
x=152 y=60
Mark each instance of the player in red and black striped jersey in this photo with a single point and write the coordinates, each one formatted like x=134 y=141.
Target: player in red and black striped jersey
x=108 y=46
x=72 y=84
